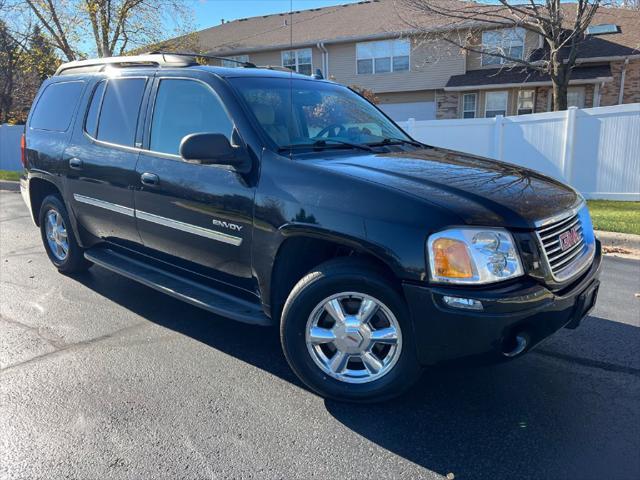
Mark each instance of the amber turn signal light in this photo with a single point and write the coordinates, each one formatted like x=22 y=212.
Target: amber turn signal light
x=451 y=259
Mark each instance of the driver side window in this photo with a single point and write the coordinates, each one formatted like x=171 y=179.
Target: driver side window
x=183 y=107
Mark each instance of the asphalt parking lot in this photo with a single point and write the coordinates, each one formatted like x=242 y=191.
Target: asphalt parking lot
x=104 y=378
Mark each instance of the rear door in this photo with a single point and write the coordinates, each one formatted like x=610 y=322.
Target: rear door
x=196 y=216
x=102 y=156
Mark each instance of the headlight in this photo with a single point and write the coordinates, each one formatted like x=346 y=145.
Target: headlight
x=473 y=256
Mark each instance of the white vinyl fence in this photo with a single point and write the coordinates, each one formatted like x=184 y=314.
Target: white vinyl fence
x=596 y=150
x=10 y=147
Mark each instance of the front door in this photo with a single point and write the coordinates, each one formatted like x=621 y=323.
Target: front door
x=196 y=216
x=101 y=159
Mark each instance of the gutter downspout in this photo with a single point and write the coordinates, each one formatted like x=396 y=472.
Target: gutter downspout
x=622 y=75
x=325 y=59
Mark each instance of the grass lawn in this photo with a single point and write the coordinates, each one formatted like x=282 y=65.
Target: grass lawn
x=622 y=217
x=7 y=175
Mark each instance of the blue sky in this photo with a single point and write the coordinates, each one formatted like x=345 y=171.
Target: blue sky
x=210 y=12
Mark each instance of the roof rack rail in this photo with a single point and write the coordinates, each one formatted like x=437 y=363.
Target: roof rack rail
x=278 y=68
x=99 y=64
x=204 y=55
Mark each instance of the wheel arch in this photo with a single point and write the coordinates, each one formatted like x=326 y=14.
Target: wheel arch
x=304 y=248
x=39 y=189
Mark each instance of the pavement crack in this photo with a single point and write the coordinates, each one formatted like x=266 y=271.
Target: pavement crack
x=54 y=340
x=588 y=362
x=74 y=346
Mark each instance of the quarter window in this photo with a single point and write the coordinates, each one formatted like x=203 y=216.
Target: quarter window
x=56 y=105
x=525 y=102
x=183 y=107
x=469 y=105
x=508 y=42
x=383 y=56
x=120 y=109
x=298 y=60
x=495 y=104
x=91 y=124
x=230 y=63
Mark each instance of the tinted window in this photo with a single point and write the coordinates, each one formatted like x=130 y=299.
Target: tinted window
x=120 y=108
x=91 y=125
x=56 y=105
x=302 y=112
x=183 y=107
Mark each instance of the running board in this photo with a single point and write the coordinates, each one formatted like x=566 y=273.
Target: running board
x=178 y=287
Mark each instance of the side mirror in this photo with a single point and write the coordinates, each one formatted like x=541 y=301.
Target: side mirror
x=213 y=149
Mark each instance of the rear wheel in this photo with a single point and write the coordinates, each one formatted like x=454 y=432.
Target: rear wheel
x=346 y=333
x=58 y=238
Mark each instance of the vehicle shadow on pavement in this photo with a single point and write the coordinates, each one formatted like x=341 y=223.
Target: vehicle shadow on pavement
x=544 y=415
x=540 y=416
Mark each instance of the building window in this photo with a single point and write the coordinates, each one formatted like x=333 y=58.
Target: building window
x=495 y=104
x=298 y=60
x=383 y=56
x=469 y=101
x=508 y=42
x=602 y=29
x=525 y=102
x=575 y=97
x=230 y=63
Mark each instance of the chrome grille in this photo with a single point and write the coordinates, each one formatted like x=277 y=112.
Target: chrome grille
x=561 y=262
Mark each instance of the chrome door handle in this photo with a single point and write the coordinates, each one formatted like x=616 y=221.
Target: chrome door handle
x=75 y=163
x=149 y=178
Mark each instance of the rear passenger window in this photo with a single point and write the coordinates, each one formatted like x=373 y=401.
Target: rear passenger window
x=183 y=107
x=120 y=108
x=91 y=124
x=56 y=105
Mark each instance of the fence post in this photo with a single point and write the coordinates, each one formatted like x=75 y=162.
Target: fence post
x=497 y=137
x=411 y=126
x=569 y=137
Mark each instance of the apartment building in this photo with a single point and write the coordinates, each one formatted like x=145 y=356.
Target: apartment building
x=374 y=44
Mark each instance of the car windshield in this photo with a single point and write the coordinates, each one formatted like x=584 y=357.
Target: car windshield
x=298 y=113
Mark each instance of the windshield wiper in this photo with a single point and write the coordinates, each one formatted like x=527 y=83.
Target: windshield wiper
x=323 y=143
x=392 y=140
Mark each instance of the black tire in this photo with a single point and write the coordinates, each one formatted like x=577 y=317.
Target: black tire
x=330 y=278
x=74 y=261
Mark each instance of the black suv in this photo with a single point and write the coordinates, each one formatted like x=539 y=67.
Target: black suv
x=278 y=199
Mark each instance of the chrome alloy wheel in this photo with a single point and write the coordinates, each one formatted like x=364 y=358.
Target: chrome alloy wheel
x=353 y=337
x=56 y=232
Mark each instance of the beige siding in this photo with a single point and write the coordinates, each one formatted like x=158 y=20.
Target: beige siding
x=430 y=67
x=407 y=97
x=274 y=57
x=474 y=59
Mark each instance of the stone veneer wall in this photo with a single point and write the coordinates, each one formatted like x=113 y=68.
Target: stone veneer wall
x=446 y=104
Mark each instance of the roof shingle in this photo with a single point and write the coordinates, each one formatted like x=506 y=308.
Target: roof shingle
x=497 y=76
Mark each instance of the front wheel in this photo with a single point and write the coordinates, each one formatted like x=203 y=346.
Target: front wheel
x=346 y=333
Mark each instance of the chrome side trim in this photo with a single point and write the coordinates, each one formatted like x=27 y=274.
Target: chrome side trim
x=186 y=227
x=167 y=222
x=106 y=205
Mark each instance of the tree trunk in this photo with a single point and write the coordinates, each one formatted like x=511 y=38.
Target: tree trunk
x=559 y=97
x=560 y=80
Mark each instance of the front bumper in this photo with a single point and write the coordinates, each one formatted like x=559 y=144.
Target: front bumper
x=445 y=333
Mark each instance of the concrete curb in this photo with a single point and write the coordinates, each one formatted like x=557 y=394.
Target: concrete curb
x=622 y=240
x=9 y=185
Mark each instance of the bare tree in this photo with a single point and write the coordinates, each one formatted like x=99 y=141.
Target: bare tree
x=562 y=27
x=114 y=26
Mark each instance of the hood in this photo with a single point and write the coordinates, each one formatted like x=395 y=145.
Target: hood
x=480 y=191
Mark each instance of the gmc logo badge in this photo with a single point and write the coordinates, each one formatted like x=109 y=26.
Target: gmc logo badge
x=569 y=238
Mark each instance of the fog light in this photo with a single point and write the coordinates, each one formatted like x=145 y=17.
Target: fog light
x=468 y=303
